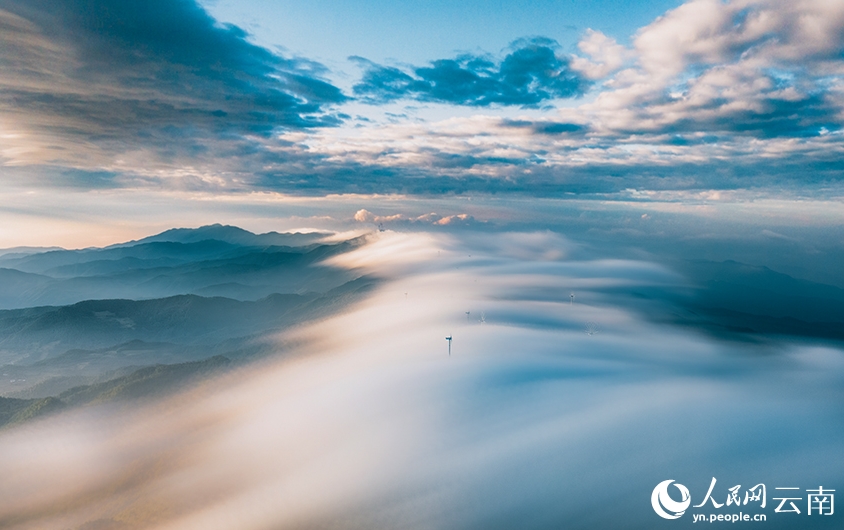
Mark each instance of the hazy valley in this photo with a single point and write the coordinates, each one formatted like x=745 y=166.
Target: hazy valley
x=148 y=317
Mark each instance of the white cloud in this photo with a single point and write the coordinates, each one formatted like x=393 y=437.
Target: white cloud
x=433 y=218
x=717 y=63
x=373 y=425
x=604 y=54
x=709 y=83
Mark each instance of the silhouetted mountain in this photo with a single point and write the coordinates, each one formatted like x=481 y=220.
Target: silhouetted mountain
x=10 y=406
x=132 y=353
x=102 y=267
x=82 y=318
x=732 y=297
x=180 y=252
x=759 y=290
x=150 y=381
x=161 y=269
x=236 y=291
x=30 y=335
x=233 y=235
x=45 y=350
x=14 y=411
x=17 y=252
x=17 y=286
x=54 y=385
x=144 y=383
x=79 y=367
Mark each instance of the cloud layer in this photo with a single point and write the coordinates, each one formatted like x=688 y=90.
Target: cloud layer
x=120 y=76
x=758 y=68
x=532 y=72
x=711 y=96
x=531 y=423
x=746 y=94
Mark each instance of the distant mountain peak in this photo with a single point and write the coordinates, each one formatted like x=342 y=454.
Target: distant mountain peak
x=16 y=252
x=230 y=234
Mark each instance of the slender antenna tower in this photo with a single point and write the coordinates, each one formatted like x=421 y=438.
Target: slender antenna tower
x=449 y=345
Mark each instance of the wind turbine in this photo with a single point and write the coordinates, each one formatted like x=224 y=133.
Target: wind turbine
x=449 y=345
x=572 y=299
x=467 y=316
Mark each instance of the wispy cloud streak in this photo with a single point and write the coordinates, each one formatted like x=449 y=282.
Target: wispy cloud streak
x=157 y=75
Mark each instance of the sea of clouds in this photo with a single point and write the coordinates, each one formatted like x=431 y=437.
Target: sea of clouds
x=550 y=412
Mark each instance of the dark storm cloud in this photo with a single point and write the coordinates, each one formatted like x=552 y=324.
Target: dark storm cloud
x=152 y=72
x=530 y=74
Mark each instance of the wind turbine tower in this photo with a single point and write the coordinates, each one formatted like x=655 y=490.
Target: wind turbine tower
x=572 y=299
x=449 y=345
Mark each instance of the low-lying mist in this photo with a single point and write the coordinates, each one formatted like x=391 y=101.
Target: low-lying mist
x=561 y=405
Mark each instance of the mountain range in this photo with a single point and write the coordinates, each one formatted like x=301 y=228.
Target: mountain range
x=739 y=301
x=90 y=318
x=208 y=261
x=142 y=318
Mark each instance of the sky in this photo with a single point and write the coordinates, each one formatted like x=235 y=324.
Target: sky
x=417 y=32
x=569 y=146
x=117 y=119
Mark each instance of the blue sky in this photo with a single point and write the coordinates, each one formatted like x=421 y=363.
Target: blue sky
x=694 y=109
x=331 y=30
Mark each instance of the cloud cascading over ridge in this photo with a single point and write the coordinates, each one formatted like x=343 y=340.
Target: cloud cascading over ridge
x=535 y=421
